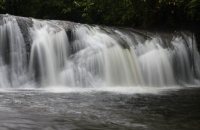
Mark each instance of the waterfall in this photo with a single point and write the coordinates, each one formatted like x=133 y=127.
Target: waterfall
x=13 y=61
x=48 y=52
x=60 y=53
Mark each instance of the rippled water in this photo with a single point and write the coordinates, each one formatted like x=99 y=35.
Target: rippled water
x=100 y=110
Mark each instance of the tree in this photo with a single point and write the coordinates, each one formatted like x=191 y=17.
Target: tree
x=2 y=6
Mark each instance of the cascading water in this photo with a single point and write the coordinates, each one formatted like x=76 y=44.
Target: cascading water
x=13 y=60
x=69 y=54
x=48 y=53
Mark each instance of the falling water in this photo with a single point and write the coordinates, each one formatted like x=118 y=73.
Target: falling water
x=13 y=61
x=48 y=53
x=71 y=54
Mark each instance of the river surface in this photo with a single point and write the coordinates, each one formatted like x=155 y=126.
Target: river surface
x=99 y=110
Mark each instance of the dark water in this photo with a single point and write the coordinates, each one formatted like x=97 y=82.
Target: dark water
x=36 y=110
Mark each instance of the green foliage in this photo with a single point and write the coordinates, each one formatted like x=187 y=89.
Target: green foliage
x=2 y=5
x=135 y=13
x=194 y=10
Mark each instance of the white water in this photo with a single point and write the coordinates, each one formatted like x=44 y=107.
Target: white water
x=48 y=52
x=93 y=57
x=12 y=51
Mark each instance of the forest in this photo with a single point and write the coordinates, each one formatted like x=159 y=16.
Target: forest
x=156 y=14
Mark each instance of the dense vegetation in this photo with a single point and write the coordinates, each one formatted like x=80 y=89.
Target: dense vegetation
x=132 y=13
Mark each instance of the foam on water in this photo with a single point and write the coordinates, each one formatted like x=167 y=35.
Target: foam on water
x=109 y=89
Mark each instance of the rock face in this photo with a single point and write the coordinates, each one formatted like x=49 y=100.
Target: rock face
x=51 y=53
